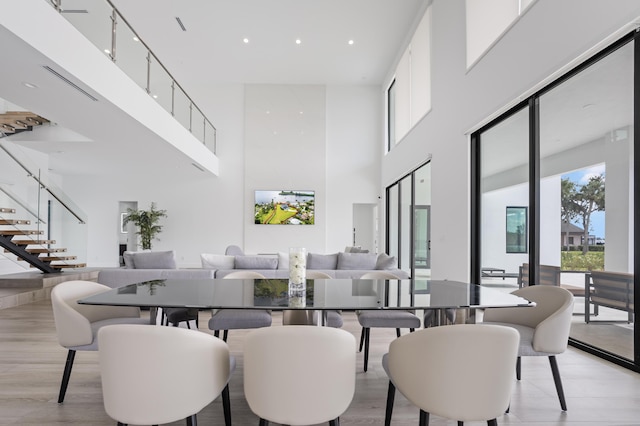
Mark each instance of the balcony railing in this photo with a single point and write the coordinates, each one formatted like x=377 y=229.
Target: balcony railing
x=101 y=23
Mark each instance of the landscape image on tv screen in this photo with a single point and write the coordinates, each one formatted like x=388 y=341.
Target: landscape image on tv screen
x=284 y=207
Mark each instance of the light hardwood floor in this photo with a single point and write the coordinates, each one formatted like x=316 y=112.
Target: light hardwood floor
x=31 y=363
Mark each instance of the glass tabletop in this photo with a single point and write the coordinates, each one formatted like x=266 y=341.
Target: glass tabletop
x=320 y=294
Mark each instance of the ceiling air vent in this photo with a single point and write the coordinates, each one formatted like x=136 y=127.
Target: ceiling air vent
x=69 y=82
x=180 y=23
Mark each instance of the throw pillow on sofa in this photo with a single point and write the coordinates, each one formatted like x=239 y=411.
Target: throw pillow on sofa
x=217 y=261
x=256 y=262
x=385 y=261
x=151 y=259
x=362 y=261
x=322 y=261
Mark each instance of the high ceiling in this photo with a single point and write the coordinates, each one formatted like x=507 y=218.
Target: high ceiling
x=209 y=51
x=213 y=49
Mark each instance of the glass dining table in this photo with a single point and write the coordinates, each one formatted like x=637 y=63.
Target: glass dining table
x=320 y=295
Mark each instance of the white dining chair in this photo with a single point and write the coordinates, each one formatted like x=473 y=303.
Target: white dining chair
x=460 y=372
x=239 y=319
x=378 y=318
x=156 y=375
x=299 y=375
x=544 y=329
x=77 y=325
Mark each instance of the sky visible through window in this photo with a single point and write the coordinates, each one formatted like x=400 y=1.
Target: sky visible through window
x=580 y=177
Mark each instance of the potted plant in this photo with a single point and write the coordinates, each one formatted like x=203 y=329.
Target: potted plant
x=147 y=223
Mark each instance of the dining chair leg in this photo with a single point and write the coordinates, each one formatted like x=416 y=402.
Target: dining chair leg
x=391 y=395
x=263 y=422
x=518 y=368
x=558 y=381
x=460 y=423
x=492 y=422
x=226 y=405
x=424 y=418
x=366 y=348
x=397 y=332
x=225 y=335
x=361 y=339
x=122 y=424
x=192 y=420
x=334 y=422
x=66 y=374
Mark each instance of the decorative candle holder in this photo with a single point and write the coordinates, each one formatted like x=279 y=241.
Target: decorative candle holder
x=297 y=271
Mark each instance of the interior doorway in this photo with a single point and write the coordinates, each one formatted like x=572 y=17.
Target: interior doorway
x=126 y=233
x=365 y=226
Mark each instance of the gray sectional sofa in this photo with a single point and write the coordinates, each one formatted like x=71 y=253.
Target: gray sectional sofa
x=149 y=265
x=336 y=265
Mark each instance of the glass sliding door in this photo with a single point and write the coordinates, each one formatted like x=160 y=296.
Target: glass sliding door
x=554 y=184
x=409 y=222
x=586 y=193
x=504 y=199
x=393 y=218
x=405 y=229
x=422 y=222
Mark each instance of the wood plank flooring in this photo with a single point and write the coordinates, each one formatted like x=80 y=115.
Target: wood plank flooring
x=31 y=363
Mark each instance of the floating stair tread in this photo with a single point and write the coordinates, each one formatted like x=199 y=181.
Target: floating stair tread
x=46 y=250
x=14 y=222
x=69 y=265
x=56 y=258
x=27 y=117
x=7 y=210
x=30 y=242
x=20 y=232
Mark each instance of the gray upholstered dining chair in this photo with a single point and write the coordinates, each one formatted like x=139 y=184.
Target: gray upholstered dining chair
x=233 y=251
x=461 y=372
x=544 y=328
x=310 y=378
x=77 y=325
x=238 y=319
x=383 y=318
x=309 y=317
x=156 y=375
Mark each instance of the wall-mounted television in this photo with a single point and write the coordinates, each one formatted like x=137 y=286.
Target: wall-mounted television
x=284 y=207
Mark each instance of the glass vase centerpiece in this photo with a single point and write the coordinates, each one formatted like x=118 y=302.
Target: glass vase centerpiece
x=297 y=271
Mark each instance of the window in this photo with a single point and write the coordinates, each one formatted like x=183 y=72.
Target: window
x=391 y=115
x=516 y=234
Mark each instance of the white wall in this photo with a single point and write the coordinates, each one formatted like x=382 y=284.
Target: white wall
x=353 y=158
x=285 y=149
x=546 y=38
x=494 y=204
x=204 y=214
x=208 y=214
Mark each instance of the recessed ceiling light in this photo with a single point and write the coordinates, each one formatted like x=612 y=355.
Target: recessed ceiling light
x=29 y=85
x=155 y=96
x=136 y=39
x=245 y=40
x=298 y=41
x=350 y=42
x=301 y=112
